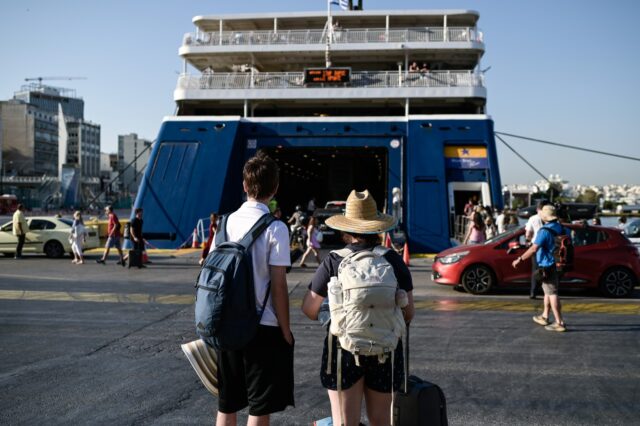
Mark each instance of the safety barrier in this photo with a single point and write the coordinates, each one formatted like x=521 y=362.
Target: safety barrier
x=340 y=36
x=359 y=79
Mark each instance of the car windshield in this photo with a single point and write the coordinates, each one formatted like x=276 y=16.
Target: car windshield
x=66 y=221
x=506 y=234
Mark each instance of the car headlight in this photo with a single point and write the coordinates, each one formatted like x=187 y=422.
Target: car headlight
x=452 y=258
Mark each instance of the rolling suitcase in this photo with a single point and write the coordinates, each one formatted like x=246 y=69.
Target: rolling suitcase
x=135 y=258
x=421 y=403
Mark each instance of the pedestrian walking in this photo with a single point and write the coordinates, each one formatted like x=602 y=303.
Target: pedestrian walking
x=78 y=236
x=475 y=230
x=113 y=237
x=543 y=249
x=213 y=226
x=20 y=229
x=501 y=221
x=349 y=377
x=259 y=375
x=313 y=245
x=311 y=206
x=490 y=228
x=135 y=234
x=531 y=232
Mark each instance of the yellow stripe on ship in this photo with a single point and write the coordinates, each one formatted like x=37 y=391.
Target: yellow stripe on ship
x=465 y=152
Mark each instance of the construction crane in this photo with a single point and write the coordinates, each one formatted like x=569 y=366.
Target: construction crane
x=40 y=79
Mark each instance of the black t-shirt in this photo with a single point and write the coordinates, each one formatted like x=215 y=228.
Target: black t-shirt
x=329 y=268
x=136 y=227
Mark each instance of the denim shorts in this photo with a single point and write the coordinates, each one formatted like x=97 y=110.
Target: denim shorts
x=377 y=376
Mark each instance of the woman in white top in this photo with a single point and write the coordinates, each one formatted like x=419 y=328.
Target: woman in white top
x=78 y=234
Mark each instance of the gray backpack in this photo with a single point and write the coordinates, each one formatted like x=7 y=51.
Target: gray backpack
x=367 y=321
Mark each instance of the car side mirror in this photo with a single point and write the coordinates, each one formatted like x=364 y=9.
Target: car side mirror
x=513 y=246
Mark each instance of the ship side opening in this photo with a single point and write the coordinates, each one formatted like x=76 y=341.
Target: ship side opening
x=328 y=174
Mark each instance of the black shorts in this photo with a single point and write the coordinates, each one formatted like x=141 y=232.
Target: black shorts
x=377 y=376
x=259 y=376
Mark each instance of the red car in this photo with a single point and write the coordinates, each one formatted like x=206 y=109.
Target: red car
x=603 y=258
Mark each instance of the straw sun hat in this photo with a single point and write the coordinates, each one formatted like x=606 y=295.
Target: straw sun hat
x=361 y=216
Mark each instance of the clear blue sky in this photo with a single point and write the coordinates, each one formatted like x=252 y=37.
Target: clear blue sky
x=560 y=70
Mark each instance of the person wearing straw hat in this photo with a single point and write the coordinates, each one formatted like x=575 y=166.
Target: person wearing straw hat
x=543 y=247
x=362 y=376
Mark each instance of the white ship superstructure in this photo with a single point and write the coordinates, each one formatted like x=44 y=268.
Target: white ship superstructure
x=253 y=65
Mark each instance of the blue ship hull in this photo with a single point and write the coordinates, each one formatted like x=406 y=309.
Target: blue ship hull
x=196 y=168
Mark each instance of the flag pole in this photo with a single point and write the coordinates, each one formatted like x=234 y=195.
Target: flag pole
x=327 y=52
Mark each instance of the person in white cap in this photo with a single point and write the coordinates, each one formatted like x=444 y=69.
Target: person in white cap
x=362 y=375
x=543 y=247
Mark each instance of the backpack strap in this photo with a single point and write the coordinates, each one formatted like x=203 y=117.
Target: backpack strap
x=380 y=250
x=552 y=231
x=344 y=252
x=256 y=230
x=221 y=233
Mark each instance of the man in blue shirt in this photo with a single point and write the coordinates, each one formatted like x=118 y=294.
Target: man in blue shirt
x=543 y=247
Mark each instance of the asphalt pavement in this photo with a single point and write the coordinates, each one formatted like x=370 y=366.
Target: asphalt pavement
x=100 y=344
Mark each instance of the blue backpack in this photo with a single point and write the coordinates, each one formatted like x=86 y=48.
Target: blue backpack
x=226 y=314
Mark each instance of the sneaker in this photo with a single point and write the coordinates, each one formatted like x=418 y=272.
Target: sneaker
x=539 y=319
x=204 y=361
x=555 y=327
x=100 y=261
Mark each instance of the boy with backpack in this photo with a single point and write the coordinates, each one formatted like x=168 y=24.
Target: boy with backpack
x=551 y=246
x=242 y=305
x=370 y=298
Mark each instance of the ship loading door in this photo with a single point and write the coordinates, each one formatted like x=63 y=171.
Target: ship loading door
x=329 y=168
x=329 y=174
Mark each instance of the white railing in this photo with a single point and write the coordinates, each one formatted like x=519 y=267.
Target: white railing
x=341 y=36
x=359 y=79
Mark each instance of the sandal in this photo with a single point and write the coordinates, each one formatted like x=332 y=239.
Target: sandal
x=556 y=327
x=539 y=319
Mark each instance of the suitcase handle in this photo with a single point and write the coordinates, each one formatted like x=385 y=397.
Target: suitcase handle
x=406 y=362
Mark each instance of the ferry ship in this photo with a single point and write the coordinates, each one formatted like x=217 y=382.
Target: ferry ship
x=389 y=101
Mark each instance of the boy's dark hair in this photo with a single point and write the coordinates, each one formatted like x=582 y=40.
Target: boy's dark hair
x=261 y=175
x=138 y=210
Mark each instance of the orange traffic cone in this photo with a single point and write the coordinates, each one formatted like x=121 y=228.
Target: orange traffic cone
x=387 y=241
x=405 y=253
x=195 y=243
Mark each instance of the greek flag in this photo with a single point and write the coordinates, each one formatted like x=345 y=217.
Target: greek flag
x=344 y=4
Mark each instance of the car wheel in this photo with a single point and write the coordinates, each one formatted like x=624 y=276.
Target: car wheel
x=617 y=282
x=477 y=279
x=54 y=249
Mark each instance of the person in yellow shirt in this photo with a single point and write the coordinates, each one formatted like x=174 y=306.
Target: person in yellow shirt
x=20 y=228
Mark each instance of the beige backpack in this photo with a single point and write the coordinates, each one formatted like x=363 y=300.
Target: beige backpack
x=364 y=316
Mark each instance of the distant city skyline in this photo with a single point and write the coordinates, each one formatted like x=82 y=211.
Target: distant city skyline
x=561 y=71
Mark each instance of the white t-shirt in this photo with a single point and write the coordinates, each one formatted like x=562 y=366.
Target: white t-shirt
x=534 y=224
x=271 y=248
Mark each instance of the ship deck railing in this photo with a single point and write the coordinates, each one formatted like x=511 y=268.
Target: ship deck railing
x=359 y=79
x=340 y=36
